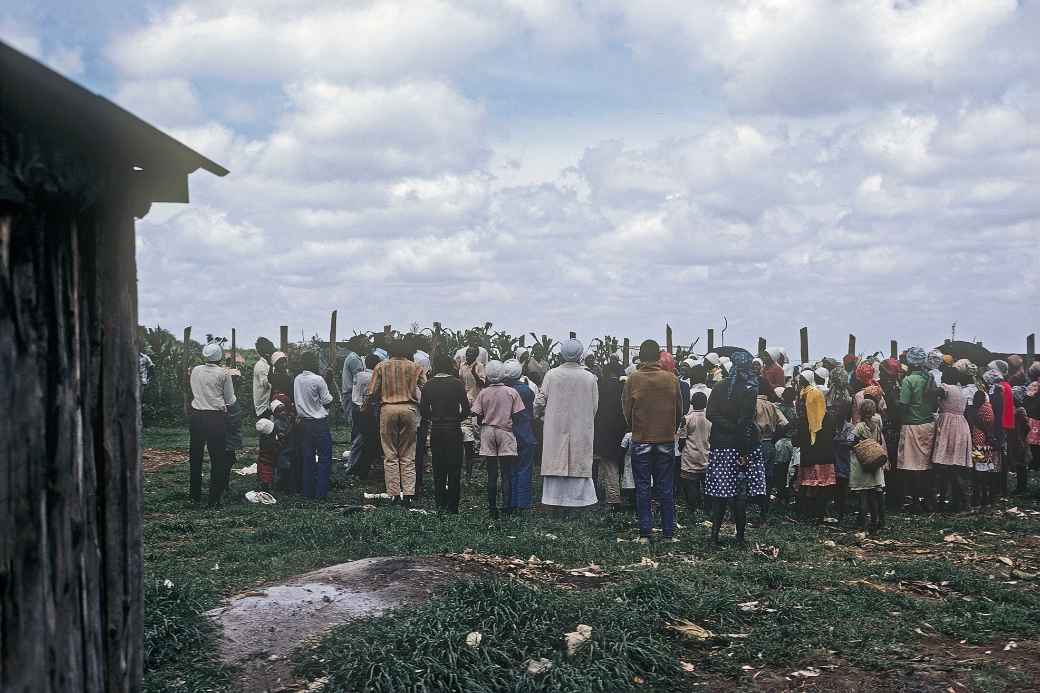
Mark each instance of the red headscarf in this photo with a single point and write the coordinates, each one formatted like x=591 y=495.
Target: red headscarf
x=891 y=368
x=865 y=374
x=667 y=361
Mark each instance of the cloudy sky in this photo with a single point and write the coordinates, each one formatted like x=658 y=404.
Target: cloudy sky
x=601 y=166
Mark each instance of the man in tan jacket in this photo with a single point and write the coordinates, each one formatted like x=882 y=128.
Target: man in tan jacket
x=652 y=402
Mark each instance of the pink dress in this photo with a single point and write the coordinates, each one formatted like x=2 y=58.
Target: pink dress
x=952 y=434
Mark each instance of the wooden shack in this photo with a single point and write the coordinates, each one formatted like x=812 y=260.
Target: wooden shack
x=75 y=170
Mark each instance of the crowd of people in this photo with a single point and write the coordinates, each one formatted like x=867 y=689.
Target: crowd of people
x=844 y=440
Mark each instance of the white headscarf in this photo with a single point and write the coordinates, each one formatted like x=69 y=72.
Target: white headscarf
x=713 y=359
x=423 y=359
x=494 y=371
x=212 y=352
x=265 y=426
x=511 y=369
x=572 y=351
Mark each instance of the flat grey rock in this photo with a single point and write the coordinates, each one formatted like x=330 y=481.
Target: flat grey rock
x=262 y=628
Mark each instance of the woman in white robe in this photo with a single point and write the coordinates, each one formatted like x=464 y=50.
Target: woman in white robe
x=567 y=401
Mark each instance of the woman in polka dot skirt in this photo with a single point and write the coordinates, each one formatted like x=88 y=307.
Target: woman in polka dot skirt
x=735 y=466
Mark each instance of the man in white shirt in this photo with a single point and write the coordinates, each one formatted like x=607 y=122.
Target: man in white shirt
x=261 y=372
x=353 y=364
x=211 y=393
x=311 y=396
x=472 y=341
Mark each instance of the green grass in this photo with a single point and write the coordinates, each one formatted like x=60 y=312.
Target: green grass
x=210 y=554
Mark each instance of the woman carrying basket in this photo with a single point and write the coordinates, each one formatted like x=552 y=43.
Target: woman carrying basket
x=867 y=467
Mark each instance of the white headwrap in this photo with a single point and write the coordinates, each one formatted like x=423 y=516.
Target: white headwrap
x=265 y=426
x=512 y=369
x=713 y=359
x=275 y=405
x=277 y=356
x=212 y=352
x=381 y=353
x=779 y=392
x=494 y=371
x=572 y=351
x=808 y=376
x=423 y=359
x=774 y=353
x=822 y=373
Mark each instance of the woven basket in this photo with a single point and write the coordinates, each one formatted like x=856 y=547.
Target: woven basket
x=871 y=454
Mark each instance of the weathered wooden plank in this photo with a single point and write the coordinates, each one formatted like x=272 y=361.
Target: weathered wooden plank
x=283 y=339
x=893 y=349
x=627 y=352
x=852 y=344
x=803 y=336
x=668 y=338
x=711 y=340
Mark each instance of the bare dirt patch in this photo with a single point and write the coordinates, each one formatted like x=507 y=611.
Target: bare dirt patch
x=933 y=666
x=155 y=458
x=262 y=627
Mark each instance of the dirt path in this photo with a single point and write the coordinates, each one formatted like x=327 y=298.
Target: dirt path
x=261 y=628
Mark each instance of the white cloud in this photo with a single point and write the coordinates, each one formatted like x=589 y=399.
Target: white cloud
x=337 y=131
x=846 y=165
x=167 y=103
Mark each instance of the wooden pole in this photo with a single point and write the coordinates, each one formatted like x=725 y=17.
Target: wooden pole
x=894 y=349
x=711 y=340
x=668 y=337
x=1030 y=349
x=761 y=345
x=234 y=349
x=523 y=341
x=852 y=344
x=574 y=335
x=332 y=358
x=332 y=342
x=386 y=331
x=185 y=362
x=627 y=355
x=284 y=341
x=803 y=336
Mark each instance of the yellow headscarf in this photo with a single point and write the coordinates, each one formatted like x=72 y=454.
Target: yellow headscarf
x=815 y=408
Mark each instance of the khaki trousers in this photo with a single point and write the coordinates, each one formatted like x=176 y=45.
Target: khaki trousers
x=397 y=432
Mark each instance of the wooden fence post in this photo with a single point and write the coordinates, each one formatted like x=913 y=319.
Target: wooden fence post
x=852 y=344
x=761 y=345
x=803 y=335
x=234 y=349
x=1030 y=349
x=625 y=352
x=333 y=388
x=185 y=360
x=894 y=349
x=668 y=337
x=711 y=340
x=284 y=341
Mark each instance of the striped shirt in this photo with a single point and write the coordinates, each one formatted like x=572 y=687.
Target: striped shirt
x=396 y=380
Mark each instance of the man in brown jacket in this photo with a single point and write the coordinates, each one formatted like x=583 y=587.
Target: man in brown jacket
x=652 y=402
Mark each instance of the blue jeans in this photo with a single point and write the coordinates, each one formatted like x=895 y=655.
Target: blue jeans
x=315 y=442
x=654 y=463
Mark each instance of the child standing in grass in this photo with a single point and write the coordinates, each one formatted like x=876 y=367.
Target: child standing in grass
x=694 y=433
x=494 y=406
x=869 y=485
